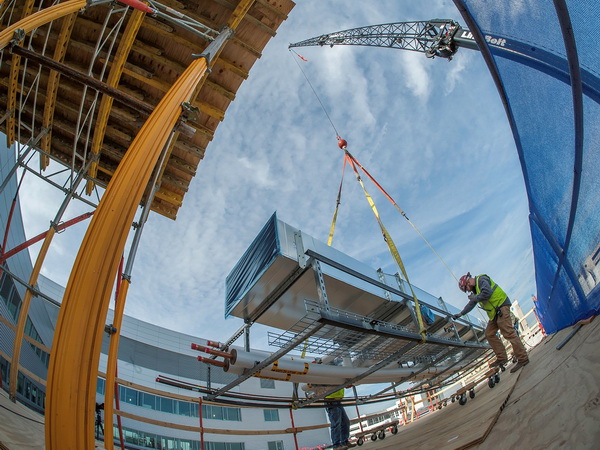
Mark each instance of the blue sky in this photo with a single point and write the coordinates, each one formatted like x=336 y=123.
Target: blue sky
x=433 y=133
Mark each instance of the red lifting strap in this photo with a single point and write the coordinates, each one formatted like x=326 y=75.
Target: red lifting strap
x=137 y=4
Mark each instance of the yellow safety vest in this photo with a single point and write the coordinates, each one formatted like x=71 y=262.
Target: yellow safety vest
x=337 y=394
x=493 y=303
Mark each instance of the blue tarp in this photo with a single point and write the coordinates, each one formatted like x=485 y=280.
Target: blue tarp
x=550 y=88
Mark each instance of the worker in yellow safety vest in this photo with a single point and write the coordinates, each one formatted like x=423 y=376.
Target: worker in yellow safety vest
x=340 y=424
x=490 y=297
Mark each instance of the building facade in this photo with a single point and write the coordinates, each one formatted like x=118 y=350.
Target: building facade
x=158 y=372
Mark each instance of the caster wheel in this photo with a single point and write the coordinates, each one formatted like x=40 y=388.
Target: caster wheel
x=453 y=399
x=491 y=383
x=395 y=430
x=381 y=434
x=374 y=437
x=502 y=368
x=360 y=441
x=463 y=399
x=472 y=393
x=497 y=378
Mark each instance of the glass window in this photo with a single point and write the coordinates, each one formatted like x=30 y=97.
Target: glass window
x=147 y=400
x=7 y=284
x=14 y=303
x=100 y=385
x=166 y=405
x=232 y=414
x=130 y=396
x=271 y=415
x=184 y=408
x=275 y=445
x=224 y=446
x=265 y=383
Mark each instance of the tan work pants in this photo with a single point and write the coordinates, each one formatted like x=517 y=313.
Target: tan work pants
x=506 y=327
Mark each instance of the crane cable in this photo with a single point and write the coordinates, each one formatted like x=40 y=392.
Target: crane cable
x=405 y=216
x=391 y=245
x=393 y=250
x=337 y=204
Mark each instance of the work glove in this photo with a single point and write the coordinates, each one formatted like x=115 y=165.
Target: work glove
x=472 y=297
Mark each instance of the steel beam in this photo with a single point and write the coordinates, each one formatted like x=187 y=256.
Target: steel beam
x=86 y=80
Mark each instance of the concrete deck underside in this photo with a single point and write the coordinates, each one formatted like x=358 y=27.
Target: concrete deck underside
x=554 y=402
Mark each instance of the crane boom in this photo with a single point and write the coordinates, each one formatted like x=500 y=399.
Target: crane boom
x=443 y=38
x=437 y=37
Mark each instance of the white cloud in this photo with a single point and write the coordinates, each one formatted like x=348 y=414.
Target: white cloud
x=433 y=133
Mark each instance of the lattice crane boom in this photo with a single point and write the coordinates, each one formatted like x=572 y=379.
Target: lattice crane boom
x=437 y=37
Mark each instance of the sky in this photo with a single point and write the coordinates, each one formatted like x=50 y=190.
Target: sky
x=432 y=132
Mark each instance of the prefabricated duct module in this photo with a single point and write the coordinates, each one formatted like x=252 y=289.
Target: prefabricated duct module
x=275 y=277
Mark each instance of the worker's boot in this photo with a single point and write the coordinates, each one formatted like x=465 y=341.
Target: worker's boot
x=498 y=363
x=519 y=365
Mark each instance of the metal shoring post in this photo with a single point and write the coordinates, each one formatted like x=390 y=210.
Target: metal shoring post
x=28 y=147
x=405 y=301
x=247 y=336
x=320 y=282
x=23 y=313
x=111 y=364
x=443 y=305
x=356 y=405
x=300 y=249
x=381 y=277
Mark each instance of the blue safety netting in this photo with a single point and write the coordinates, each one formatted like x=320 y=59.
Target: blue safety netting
x=548 y=76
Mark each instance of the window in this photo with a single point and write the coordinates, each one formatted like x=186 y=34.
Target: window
x=271 y=415
x=14 y=303
x=184 y=408
x=275 y=445
x=7 y=284
x=130 y=396
x=224 y=446
x=265 y=383
x=100 y=385
x=221 y=413
x=147 y=400
x=166 y=405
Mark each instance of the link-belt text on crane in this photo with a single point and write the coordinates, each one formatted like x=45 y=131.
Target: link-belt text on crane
x=500 y=42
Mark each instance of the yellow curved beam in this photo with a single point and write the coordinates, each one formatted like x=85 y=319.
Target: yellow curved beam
x=111 y=367
x=16 y=353
x=13 y=78
x=78 y=337
x=42 y=17
x=116 y=70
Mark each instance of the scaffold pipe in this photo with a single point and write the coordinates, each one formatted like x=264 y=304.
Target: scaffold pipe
x=211 y=361
x=215 y=344
x=299 y=371
x=212 y=351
